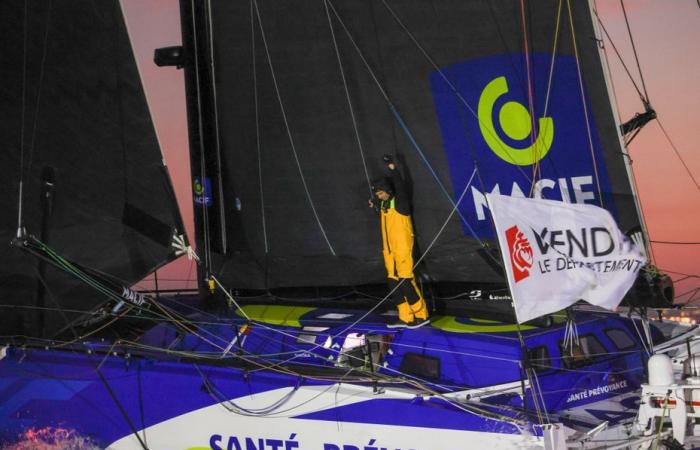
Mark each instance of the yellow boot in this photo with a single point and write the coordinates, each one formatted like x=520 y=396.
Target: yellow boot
x=405 y=316
x=419 y=309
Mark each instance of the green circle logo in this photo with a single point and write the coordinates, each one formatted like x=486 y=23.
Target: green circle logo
x=516 y=123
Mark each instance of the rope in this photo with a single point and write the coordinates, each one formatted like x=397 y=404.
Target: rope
x=583 y=102
x=675 y=150
x=538 y=164
x=113 y=395
x=22 y=120
x=40 y=85
x=257 y=130
x=530 y=93
x=347 y=96
x=634 y=50
x=289 y=133
x=619 y=56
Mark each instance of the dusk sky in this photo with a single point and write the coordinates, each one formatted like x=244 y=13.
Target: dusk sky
x=667 y=36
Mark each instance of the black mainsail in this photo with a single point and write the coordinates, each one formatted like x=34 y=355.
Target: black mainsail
x=298 y=101
x=79 y=136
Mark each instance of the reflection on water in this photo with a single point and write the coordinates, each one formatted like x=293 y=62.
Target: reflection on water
x=51 y=438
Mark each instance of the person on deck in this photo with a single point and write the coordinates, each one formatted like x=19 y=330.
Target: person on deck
x=397 y=246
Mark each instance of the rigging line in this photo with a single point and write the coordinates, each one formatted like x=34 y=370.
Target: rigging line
x=528 y=374
x=257 y=129
x=530 y=96
x=289 y=132
x=261 y=412
x=347 y=96
x=54 y=300
x=123 y=412
x=22 y=120
x=202 y=162
x=619 y=57
x=183 y=324
x=200 y=127
x=217 y=135
x=691 y=275
x=432 y=62
x=648 y=350
x=674 y=242
x=42 y=65
x=675 y=150
x=537 y=167
x=634 y=50
x=583 y=102
x=142 y=413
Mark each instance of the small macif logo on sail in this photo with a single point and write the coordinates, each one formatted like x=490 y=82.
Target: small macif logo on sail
x=521 y=256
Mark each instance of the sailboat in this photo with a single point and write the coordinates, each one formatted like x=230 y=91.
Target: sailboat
x=291 y=107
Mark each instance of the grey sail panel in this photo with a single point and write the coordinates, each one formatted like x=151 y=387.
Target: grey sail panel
x=293 y=181
x=78 y=111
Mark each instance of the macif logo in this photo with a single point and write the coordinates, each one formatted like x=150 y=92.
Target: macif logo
x=529 y=139
x=521 y=257
x=516 y=123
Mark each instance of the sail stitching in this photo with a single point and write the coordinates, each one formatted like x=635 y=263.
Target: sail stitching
x=347 y=96
x=289 y=133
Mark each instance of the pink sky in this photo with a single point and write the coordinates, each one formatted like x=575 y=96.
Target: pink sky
x=667 y=36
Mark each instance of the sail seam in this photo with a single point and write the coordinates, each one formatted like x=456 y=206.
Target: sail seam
x=289 y=133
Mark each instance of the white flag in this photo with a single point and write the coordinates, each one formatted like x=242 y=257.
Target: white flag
x=556 y=253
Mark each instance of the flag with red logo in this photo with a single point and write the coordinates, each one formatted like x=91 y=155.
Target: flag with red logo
x=557 y=253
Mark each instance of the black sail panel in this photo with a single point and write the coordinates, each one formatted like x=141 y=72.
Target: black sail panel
x=299 y=83
x=76 y=127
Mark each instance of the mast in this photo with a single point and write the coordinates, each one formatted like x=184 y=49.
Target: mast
x=209 y=217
